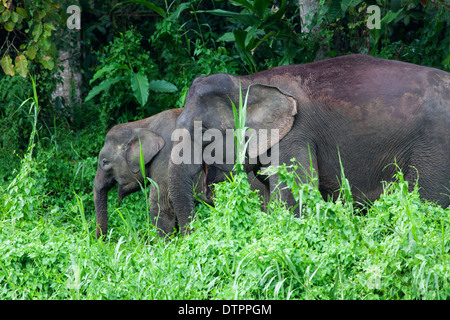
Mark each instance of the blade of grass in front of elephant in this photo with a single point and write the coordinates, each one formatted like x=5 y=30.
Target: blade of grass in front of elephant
x=240 y=129
x=141 y=160
x=144 y=186
x=129 y=226
x=83 y=220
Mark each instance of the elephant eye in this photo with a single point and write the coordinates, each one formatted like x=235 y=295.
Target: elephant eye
x=105 y=162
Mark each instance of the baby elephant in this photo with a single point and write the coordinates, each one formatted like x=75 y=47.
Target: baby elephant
x=118 y=162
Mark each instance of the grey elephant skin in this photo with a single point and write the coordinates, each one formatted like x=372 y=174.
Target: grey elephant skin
x=118 y=163
x=364 y=112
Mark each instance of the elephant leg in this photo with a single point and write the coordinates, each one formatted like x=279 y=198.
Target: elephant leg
x=431 y=175
x=280 y=191
x=161 y=212
x=307 y=171
x=260 y=182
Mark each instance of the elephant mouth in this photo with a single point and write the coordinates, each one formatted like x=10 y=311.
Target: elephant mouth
x=125 y=190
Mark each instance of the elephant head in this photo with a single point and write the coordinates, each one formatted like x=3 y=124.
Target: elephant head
x=118 y=162
x=269 y=110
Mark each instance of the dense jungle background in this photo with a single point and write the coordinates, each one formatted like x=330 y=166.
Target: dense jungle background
x=132 y=59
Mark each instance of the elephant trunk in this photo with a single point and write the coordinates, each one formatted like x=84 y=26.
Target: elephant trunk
x=181 y=182
x=102 y=185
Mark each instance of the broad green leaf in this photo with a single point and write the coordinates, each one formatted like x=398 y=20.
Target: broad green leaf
x=37 y=31
x=47 y=62
x=267 y=36
x=227 y=37
x=14 y=17
x=334 y=10
x=162 y=86
x=181 y=7
x=21 y=65
x=49 y=26
x=260 y=7
x=45 y=43
x=240 y=36
x=19 y=19
x=6 y=15
x=446 y=62
x=345 y=4
x=147 y=4
x=7 y=66
x=140 y=86
x=251 y=37
x=107 y=69
x=31 y=52
x=243 y=3
x=9 y=26
x=22 y=12
x=248 y=19
x=104 y=85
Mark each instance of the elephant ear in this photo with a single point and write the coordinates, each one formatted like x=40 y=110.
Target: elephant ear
x=268 y=108
x=151 y=144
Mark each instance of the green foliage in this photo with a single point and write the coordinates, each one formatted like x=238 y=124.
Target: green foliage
x=233 y=215
x=23 y=185
x=147 y=4
x=15 y=122
x=400 y=249
x=184 y=48
x=138 y=81
x=30 y=31
x=419 y=33
x=266 y=34
x=240 y=115
x=119 y=61
x=258 y=23
x=411 y=31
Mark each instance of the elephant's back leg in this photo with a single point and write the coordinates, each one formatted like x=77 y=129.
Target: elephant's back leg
x=161 y=211
x=431 y=170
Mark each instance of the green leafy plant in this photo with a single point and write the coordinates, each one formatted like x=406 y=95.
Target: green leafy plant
x=240 y=115
x=427 y=41
x=146 y=4
x=124 y=71
x=258 y=24
x=21 y=193
x=30 y=29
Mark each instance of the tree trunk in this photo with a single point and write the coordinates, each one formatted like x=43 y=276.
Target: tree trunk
x=310 y=8
x=68 y=86
x=305 y=7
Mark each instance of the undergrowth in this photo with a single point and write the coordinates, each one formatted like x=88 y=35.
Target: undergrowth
x=399 y=249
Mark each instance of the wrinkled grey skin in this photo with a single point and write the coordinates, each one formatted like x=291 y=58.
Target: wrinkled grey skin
x=118 y=163
x=372 y=112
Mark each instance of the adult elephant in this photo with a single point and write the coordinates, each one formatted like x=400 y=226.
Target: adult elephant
x=118 y=163
x=364 y=112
